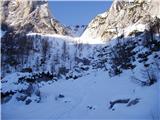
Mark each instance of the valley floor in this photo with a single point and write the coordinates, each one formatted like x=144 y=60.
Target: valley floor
x=89 y=97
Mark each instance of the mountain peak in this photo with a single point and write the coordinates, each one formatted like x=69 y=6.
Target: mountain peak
x=29 y=15
x=123 y=16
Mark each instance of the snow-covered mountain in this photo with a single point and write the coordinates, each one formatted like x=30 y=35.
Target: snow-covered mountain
x=29 y=16
x=109 y=72
x=124 y=17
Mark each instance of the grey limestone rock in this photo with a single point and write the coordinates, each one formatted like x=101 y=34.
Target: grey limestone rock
x=30 y=16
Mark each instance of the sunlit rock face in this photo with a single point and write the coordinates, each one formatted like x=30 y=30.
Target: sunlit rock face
x=29 y=16
x=124 y=17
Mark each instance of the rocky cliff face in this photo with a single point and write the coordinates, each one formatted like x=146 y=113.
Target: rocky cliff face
x=29 y=16
x=124 y=16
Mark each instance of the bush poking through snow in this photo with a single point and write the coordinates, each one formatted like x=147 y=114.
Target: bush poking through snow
x=119 y=101
x=133 y=102
x=28 y=101
x=147 y=82
x=150 y=76
x=5 y=97
x=127 y=101
x=38 y=77
x=27 y=70
x=30 y=94
x=122 y=56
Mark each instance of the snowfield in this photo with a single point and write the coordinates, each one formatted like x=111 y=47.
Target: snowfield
x=78 y=40
x=88 y=98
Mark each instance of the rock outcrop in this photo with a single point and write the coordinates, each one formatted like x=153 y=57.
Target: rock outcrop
x=29 y=16
x=124 y=17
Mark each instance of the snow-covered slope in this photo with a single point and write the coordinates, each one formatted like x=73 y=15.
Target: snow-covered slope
x=90 y=101
x=46 y=52
x=89 y=93
x=52 y=76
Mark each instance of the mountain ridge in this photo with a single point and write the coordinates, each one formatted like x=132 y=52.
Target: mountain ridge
x=121 y=15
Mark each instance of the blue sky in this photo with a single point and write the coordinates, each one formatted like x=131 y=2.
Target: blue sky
x=77 y=12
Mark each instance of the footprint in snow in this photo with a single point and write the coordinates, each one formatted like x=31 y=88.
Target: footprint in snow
x=60 y=96
x=91 y=107
x=63 y=98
